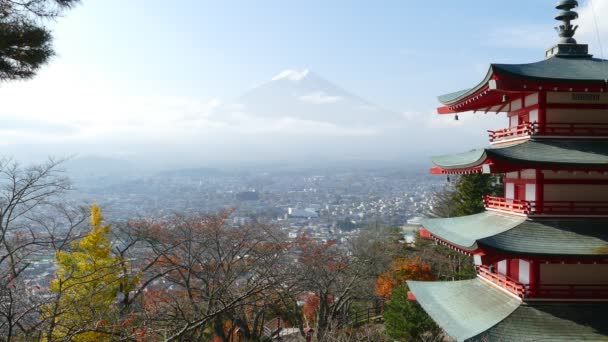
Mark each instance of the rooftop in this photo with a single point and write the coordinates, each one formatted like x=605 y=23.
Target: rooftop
x=464 y=309
x=545 y=153
x=474 y=310
x=552 y=70
x=523 y=236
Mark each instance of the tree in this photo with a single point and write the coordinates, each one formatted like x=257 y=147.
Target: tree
x=470 y=191
x=210 y=272
x=406 y=320
x=330 y=276
x=25 y=44
x=34 y=217
x=465 y=197
x=400 y=271
x=86 y=287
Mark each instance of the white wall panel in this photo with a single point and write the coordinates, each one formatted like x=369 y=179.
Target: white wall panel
x=509 y=191
x=524 y=272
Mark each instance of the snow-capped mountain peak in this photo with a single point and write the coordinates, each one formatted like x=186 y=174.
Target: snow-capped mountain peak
x=292 y=75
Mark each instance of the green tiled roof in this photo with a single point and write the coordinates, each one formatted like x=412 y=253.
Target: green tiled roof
x=545 y=153
x=552 y=69
x=465 y=231
x=475 y=311
x=464 y=309
x=541 y=237
x=523 y=236
x=449 y=98
x=552 y=322
x=558 y=69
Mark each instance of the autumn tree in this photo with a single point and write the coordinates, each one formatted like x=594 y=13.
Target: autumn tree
x=400 y=271
x=405 y=320
x=34 y=218
x=331 y=274
x=86 y=287
x=210 y=271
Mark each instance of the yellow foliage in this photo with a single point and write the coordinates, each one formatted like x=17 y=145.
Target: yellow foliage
x=87 y=284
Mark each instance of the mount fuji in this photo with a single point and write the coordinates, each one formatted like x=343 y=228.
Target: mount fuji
x=299 y=115
x=304 y=95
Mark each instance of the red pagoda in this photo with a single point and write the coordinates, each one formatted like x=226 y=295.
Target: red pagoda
x=541 y=252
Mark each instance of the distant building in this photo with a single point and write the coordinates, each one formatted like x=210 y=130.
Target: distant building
x=248 y=196
x=308 y=213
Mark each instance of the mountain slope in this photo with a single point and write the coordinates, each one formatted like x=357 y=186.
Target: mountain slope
x=304 y=95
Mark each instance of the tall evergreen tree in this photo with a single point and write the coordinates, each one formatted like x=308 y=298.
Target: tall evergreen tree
x=470 y=191
x=25 y=43
x=86 y=287
x=407 y=321
x=465 y=195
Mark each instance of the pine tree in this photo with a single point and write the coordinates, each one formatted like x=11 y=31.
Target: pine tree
x=86 y=287
x=406 y=320
x=470 y=191
x=465 y=196
x=25 y=44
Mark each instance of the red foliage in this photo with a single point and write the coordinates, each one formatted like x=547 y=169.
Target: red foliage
x=400 y=271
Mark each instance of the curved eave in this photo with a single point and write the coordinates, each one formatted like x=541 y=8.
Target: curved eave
x=461 y=161
x=548 y=238
x=546 y=153
x=563 y=322
x=464 y=309
x=464 y=232
x=584 y=73
x=585 y=70
x=455 y=97
x=554 y=153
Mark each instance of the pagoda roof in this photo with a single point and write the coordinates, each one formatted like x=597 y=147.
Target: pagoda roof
x=554 y=70
x=475 y=310
x=532 y=152
x=541 y=237
x=464 y=309
x=522 y=236
x=551 y=322
x=464 y=231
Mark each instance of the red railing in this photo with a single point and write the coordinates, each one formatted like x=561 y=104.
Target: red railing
x=525 y=129
x=592 y=129
x=512 y=205
x=503 y=281
x=585 y=208
x=570 y=291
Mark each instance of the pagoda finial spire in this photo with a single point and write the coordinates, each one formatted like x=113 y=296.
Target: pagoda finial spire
x=567 y=30
x=567 y=46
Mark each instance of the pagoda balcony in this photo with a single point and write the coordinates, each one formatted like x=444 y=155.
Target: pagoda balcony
x=554 y=129
x=554 y=208
x=508 y=205
x=544 y=291
x=524 y=130
x=502 y=281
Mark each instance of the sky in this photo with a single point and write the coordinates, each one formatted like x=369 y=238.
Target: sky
x=130 y=75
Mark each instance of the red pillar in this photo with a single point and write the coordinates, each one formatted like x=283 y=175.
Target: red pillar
x=534 y=277
x=542 y=111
